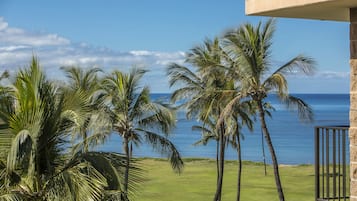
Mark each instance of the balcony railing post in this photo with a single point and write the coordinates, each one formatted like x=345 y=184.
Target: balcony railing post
x=327 y=133
x=334 y=162
x=317 y=164
x=344 y=164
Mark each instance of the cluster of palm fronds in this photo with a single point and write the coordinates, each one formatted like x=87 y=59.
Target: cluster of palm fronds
x=225 y=85
x=48 y=131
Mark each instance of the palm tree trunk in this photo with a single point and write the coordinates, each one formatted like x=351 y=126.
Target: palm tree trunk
x=32 y=172
x=83 y=130
x=239 y=153
x=85 y=142
x=217 y=160
x=264 y=158
x=272 y=152
x=131 y=150
x=222 y=140
x=127 y=165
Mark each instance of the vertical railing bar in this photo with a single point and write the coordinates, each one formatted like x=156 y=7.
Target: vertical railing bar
x=317 y=163
x=339 y=164
x=334 y=162
x=323 y=161
x=328 y=163
x=344 y=164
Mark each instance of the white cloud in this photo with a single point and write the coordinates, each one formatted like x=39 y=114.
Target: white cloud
x=3 y=24
x=322 y=75
x=334 y=75
x=321 y=82
x=16 y=36
x=17 y=46
x=12 y=48
x=140 y=52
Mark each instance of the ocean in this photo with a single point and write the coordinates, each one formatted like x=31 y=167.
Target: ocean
x=293 y=140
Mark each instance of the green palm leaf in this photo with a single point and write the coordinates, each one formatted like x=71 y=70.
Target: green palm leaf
x=164 y=146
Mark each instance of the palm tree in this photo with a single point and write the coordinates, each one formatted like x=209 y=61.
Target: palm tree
x=250 y=48
x=209 y=132
x=95 y=125
x=203 y=88
x=135 y=116
x=33 y=137
x=241 y=117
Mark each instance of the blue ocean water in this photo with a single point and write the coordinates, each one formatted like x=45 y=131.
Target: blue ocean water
x=293 y=140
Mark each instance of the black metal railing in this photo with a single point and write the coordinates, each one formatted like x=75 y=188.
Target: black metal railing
x=331 y=163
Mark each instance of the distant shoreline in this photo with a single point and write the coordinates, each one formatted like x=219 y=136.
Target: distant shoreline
x=244 y=162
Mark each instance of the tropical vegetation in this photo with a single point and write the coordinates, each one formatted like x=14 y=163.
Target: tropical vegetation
x=250 y=48
x=50 y=130
x=227 y=82
x=136 y=118
x=205 y=88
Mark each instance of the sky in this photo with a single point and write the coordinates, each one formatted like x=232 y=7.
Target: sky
x=120 y=34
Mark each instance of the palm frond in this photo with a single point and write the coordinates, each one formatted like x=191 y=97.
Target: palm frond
x=228 y=110
x=112 y=165
x=182 y=75
x=14 y=196
x=85 y=182
x=208 y=131
x=17 y=149
x=278 y=82
x=5 y=142
x=159 y=117
x=305 y=112
x=80 y=79
x=203 y=129
x=205 y=139
x=143 y=98
x=299 y=63
x=91 y=175
x=164 y=146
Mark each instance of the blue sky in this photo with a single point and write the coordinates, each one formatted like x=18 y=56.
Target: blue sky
x=118 y=34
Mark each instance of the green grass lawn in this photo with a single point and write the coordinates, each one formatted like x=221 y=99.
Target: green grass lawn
x=197 y=182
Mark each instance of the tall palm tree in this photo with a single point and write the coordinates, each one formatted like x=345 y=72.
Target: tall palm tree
x=250 y=48
x=202 y=94
x=34 y=136
x=240 y=117
x=135 y=116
